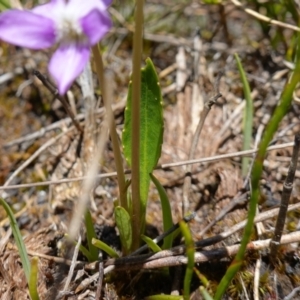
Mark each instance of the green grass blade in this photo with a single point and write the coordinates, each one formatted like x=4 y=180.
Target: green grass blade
x=18 y=239
x=248 y=115
x=164 y=297
x=205 y=293
x=107 y=249
x=166 y=212
x=124 y=225
x=190 y=253
x=279 y=113
x=90 y=234
x=151 y=127
x=4 y=5
x=203 y=279
x=85 y=252
x=33 y=279
x=153 y=246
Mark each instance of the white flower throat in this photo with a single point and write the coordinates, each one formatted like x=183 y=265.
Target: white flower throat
x=68 y=29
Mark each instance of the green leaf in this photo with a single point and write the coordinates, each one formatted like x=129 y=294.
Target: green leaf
x=151 y=127
x=109 y=250
x=166 y=212
x=18 y=238
x=90 y=234
x=190 y=253
x=152 y=245
x=33 y=279
x=248 y=116
x=124 y=225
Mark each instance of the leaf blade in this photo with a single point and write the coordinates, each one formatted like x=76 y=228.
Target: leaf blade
x=124 y=225
x=151 y=127
x=18 y=239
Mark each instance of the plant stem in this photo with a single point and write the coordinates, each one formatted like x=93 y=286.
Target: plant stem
x=112 y=127
x=137 y=223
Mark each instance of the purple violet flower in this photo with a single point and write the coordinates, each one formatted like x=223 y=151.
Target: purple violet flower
x=75 y=25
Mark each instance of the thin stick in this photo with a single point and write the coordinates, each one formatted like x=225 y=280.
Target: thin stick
x=73 y=264
x=256 y=278
x=264 y=18
x=292 y=294
x=286 y=193
x=137 y=264
x=100 y=279
x=207 y=107
x=244 y=287
x=159 y=167
x=204 y=256
x=63 y=101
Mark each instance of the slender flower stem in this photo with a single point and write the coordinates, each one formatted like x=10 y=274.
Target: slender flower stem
x=112 y=126
x=137 y=222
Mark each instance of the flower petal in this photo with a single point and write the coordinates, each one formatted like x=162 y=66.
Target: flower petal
x=49 y=9
x=26 y=29
x=84 y=7
x=95 y=25
x=67 y=63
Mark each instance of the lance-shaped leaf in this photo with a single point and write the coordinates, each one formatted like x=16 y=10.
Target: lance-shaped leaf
x=18 y=239
x=124 y=225
x=151 y=127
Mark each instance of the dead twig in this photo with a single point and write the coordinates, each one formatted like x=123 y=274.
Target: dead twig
x=292 y=294
x=286 y=193
x=256 y=279
x=264 y=18
x=73 y=264
x=207 y=107
x=101 y=274
x=202 y=256
x=63 y=101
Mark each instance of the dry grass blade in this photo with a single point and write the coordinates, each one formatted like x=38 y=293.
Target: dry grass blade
x=207 y=107
x=264 y=18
